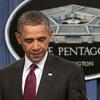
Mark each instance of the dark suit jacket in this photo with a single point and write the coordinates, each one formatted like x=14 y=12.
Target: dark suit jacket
x=66 y=82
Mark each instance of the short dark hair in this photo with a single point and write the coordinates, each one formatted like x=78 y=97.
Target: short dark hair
x=32 y=18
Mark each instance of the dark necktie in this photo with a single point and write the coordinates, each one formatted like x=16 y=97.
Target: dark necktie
x=30 y=85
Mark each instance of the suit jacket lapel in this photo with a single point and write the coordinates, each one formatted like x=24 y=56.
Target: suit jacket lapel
x=47 y=80
x=17 y=87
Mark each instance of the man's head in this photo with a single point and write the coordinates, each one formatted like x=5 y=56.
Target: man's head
x=34 y=34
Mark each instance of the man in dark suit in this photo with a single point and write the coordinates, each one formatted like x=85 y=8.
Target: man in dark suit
x=55 y=78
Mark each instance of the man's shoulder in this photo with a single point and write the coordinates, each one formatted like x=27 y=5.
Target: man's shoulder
x=61 y=60
x=12 y=66
x=62 y=64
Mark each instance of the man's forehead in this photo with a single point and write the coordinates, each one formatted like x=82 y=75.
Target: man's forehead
x=35 y=36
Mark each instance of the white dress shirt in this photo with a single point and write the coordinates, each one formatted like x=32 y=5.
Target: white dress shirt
x=38 y=71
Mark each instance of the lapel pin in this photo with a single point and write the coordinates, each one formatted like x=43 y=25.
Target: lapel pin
x=49 y=74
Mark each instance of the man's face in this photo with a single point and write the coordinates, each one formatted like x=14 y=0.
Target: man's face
x=34 y=41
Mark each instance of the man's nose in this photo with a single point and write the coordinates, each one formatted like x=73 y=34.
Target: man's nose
x=35 y=45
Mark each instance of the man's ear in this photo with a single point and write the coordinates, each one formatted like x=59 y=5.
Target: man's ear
x=50 y=33
x=18 y=37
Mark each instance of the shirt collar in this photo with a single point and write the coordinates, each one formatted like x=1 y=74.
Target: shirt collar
x=40 y=64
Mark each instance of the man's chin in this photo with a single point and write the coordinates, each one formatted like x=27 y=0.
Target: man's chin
x=36 y=60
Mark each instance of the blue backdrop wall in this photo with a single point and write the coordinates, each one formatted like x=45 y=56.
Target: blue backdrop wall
x=6 y=7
